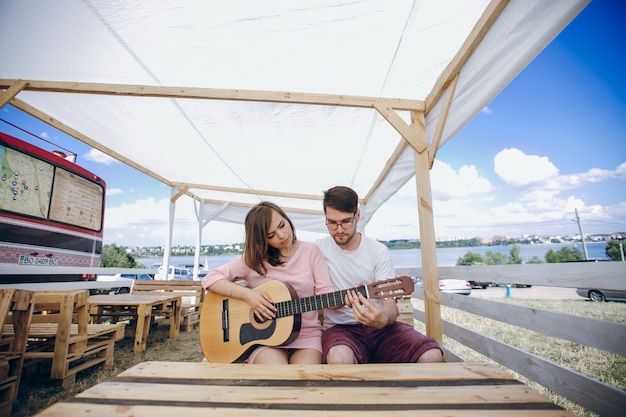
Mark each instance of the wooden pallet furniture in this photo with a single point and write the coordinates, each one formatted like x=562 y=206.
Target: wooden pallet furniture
x=16 y=308
x=60 y=332
x=192 y=294
x=139 y=308
x=470 y=389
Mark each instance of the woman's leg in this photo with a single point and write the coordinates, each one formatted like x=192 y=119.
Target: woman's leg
x=305 y=356
x=271 y=356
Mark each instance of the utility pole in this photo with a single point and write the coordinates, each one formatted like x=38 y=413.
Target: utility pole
x=582 y=236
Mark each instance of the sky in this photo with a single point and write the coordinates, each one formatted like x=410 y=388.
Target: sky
x=550 y=144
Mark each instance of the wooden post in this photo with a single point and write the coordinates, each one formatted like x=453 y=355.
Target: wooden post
x=432 y=308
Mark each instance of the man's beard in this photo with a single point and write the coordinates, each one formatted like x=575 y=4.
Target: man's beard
x=345 y=239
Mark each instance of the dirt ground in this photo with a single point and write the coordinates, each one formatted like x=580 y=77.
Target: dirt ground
x=535 y=292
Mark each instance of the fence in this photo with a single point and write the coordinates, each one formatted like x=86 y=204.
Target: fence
x=583 y=390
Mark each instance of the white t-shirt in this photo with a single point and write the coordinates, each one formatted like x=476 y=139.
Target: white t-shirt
x=368 y=263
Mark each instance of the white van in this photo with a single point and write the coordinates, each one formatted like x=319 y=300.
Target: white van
x=175 y=273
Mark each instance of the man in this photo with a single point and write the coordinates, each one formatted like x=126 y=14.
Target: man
x=365 y=330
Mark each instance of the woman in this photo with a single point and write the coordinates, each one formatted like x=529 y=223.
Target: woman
x=272 y=251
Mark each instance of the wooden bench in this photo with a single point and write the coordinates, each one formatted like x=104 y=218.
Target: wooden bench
x=191 y=292
x=60 y=332
x=16 y=308
x=468 y=389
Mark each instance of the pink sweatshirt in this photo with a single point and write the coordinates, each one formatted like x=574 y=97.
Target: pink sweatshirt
x=306 y=272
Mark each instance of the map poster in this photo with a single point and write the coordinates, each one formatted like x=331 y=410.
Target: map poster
x=76 y=201
x=25 y=183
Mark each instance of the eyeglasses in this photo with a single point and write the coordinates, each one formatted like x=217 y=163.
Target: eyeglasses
x=333 y=225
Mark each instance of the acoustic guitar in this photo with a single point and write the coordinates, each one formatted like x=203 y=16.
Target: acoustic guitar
x=229 y=330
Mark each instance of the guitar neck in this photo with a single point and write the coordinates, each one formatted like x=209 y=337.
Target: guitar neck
x=315 y=302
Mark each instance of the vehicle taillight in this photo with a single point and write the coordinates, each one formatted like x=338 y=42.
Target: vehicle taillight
x=89 y=277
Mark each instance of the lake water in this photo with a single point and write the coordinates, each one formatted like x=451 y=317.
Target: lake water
x=407 y=258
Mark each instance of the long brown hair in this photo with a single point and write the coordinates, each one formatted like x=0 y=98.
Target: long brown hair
x=256 y=249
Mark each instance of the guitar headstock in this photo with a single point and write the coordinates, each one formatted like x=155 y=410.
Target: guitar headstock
x=391 y=288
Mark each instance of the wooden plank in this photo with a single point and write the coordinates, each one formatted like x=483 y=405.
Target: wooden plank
x=76 y=409
x=213 y=94
x=299 y=395
x=365 y=372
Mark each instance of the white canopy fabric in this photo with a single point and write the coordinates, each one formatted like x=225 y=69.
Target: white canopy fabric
x=242 y=101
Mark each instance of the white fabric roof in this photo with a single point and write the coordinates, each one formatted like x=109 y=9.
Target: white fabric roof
x=150 y=81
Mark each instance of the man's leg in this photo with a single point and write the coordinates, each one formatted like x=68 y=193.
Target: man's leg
x=431 y=356
x=344 y=344
x=340 y=354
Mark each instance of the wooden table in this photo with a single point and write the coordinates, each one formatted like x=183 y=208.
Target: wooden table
x=154 y=389
x=141 y=307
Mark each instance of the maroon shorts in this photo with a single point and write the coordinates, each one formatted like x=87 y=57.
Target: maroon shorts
x=398 y=342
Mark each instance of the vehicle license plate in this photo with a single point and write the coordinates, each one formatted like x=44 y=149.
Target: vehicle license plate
x=33 y=260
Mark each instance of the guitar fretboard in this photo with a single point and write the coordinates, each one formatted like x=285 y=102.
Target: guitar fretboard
x=315 y=302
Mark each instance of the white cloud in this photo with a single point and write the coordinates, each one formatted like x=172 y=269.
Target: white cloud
x=114 y=191
x=486 y=110
x=99 y=157
x=519 y=169
x=446 y=183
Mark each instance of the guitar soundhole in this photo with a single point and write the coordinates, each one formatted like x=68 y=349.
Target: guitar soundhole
x=258 y=324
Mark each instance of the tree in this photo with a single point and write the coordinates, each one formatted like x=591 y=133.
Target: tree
x=470 y=258
x=514 y=257
x=495 y=258
x=116 y=256
x=534 y=260
x=613 y=249
x=564 y=254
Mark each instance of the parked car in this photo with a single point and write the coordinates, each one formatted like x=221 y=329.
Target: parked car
x=602 y=295
x=143 y=277
x=481 y=284
x=120 y=277
x=175 y=273
x=202 y=270
x=455 y=286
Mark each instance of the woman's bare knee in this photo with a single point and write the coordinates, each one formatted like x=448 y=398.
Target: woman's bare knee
x=306 y=356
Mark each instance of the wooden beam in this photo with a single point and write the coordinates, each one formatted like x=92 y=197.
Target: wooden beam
x=428 y=249
x=215 y=94
x=181 y=191
x=11 y=91
x=249 y=191
x=285 y=208
x=482 y=27
x=441 y=123
x=418 y=143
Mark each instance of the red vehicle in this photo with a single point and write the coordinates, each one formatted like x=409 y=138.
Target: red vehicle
x=51 y=213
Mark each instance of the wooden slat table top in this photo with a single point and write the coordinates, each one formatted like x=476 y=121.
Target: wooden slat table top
x=142 y=305
x=132 y=299
x=39 y=330
x=156 y=389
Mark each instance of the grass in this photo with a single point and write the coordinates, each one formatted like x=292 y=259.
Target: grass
x=600 y=365
x=36 y=392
